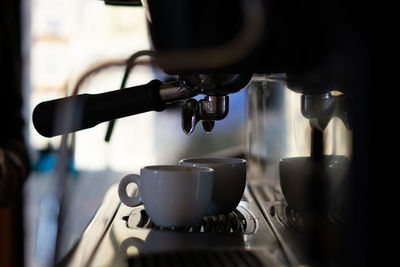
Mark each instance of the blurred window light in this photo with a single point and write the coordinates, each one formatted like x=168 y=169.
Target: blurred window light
x=70 y=37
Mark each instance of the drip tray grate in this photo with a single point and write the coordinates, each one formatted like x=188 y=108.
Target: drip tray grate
x=206 y=258
x=233 y=222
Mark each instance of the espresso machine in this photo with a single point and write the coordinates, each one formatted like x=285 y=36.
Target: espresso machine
x=314 y=52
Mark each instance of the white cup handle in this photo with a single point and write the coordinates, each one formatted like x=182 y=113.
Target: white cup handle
x=127 y=200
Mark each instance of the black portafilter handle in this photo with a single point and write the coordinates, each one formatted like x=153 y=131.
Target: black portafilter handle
x=74 y=113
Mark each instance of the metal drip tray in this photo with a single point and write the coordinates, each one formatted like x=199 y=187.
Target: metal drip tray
x=130 y=238
x=238 y=221
x=206 y=258
x=299 y=221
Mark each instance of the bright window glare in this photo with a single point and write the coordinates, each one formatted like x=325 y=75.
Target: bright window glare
x=70 y=37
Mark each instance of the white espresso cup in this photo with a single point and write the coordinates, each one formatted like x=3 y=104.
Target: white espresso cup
x=229 y=181
x=173 y=196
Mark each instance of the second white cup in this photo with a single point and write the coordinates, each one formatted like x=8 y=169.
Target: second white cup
x=229 y=181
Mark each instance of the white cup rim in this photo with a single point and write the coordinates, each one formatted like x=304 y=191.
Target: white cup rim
x=213 y=160
x=177 y=168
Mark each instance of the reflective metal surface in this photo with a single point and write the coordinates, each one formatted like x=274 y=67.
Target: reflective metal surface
x=122 y=236
x=291 y=227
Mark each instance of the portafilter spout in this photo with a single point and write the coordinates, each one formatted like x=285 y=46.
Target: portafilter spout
x=215 y=105
x=207 y=110
x=320 y=108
